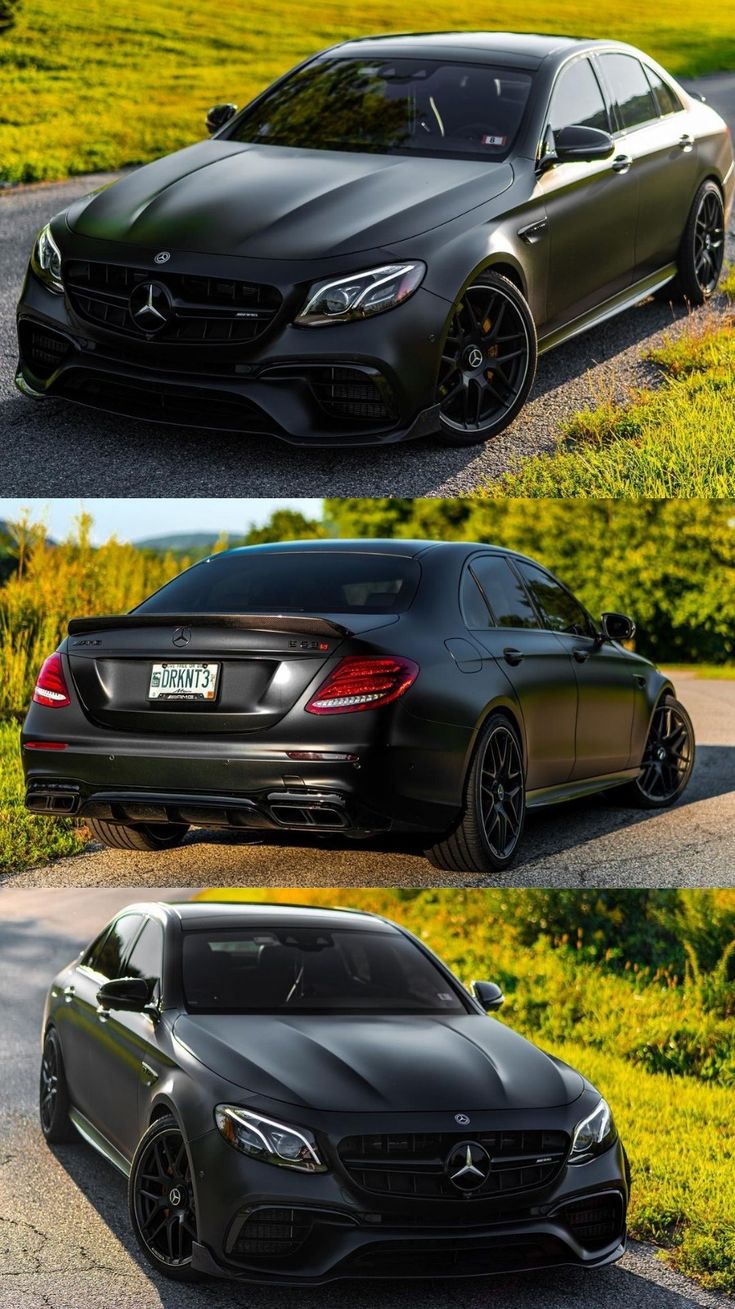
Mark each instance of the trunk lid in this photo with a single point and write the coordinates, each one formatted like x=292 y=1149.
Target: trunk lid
x=264 y=664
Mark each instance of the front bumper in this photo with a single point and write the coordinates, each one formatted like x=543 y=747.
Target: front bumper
x=360 y=383
x=313 y=1229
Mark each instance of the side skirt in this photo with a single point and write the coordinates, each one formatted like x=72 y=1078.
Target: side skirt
x=99 y=1142
x=584 y=786
x=626 y=299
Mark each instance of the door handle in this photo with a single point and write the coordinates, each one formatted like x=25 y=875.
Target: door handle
x=686 y=143
x=581 y=655
x=621 y=163
x=512 y=656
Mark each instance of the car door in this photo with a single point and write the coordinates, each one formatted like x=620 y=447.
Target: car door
x=604 y=672
x=651 y=129
x=126 y=1056
x=591 y=206
x=534 y=661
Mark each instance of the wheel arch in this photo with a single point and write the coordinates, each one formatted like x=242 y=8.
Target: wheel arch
x=504 y=706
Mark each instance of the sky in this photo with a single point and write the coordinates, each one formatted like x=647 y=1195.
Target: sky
x=137 y=520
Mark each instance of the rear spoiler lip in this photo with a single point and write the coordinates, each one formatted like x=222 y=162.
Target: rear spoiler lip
x=298 y=623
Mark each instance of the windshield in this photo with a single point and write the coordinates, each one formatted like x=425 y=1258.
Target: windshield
x=310 y=970
x=293 y=582
x=396 y=106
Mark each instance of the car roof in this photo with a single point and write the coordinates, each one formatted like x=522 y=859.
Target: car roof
x=519 y=49
x=372 y=545
x=198 y=914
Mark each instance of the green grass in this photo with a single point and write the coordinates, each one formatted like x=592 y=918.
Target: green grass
x=93 y=85
x=676 y=440
x=24 y=839
x=716 y=672
x=622 y=1030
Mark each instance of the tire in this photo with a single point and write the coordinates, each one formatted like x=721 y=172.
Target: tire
x=141 y=836
x=53 y=1096
x=702 y=249
x=475 y=844
x=164 y=1231
x=477 y=397
x=646 y=792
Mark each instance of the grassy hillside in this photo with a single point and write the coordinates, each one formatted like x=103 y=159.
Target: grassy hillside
x=96 y=86
x=616 y=1021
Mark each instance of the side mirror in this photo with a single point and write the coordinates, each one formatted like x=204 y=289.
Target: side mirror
x=133 y=994
x=582 y=144
x=489 y=995
x=618 y=627
x=219 y=115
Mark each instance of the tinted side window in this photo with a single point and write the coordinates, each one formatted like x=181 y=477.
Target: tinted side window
x=577 y=99
x=560 y=609
x=146 y=957
x=474 y=610
x=666 y=98
x=505 y=593
x=109 y=955
x=630 y=89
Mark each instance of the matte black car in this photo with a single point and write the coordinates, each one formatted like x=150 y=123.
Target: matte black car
x=299 y=1095
x=378 y=246
x=355 y=687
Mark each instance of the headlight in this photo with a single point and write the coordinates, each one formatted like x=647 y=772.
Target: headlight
x=269 y=1141
x=46 y=261
x=361 y=296
x=593 y=1135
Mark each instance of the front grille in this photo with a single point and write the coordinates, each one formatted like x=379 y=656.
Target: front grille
x=42 y=350
x=187 y=406
x=413 y=1164
x=279 y=1232
x=350 y=393
x=595 y=1221
x=210 y=310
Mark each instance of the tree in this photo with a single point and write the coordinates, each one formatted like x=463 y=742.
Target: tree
x=8 y=13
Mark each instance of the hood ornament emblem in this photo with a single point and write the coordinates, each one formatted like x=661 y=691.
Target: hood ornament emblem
x=162 y=257
x=462 y=1119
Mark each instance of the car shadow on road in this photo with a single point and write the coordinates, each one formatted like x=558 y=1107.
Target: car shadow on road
x=606 y=1287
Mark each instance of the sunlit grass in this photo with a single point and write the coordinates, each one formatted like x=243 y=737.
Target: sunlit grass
x=93 y=85
x=26 y=840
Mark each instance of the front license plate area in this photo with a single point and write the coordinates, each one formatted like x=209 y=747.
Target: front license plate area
x=186 y=681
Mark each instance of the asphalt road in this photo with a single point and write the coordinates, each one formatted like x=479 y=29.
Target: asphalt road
x=64 y=1236
x=59 y=450
x=594 y=842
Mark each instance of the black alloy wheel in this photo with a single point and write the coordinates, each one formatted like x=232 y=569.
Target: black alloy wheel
x=53 y=1099
x=668 y=758
x=161 y=1199
x=486 y=838
x=702 y=250
x=488 y=361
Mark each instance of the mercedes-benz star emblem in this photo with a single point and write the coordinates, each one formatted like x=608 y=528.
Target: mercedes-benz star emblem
x=474 y=356
x=181 y=636
x=462 y=1119
x=175 y=1197
x=162 y=257
x=150 y=306
x=468 y=1166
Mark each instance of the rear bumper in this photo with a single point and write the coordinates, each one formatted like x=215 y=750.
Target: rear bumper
x=367 y=383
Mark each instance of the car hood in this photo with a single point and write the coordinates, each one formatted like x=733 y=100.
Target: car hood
x=394 y=1063
x=227 y=198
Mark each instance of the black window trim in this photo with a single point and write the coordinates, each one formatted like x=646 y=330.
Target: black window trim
x=150 y=918
x=102 y=937
x=648 y=70
x=577 y=636
x=574 y=58
x=495 y=625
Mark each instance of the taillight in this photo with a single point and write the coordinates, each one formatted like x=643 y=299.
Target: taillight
x=51 y=689
x=363 y=682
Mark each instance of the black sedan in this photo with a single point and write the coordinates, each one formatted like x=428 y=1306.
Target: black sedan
x=381 y=243
x=299 y=1095
x=351 y=688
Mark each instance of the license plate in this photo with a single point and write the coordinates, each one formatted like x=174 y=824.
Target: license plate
x=183 y=681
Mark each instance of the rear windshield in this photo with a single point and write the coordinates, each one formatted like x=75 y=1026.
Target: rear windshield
x=391 y=106
x=310 y=970
x=294 y=582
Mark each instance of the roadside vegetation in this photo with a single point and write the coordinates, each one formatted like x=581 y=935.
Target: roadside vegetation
x=675 y=439
x=93 y=86
x=637 y=990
